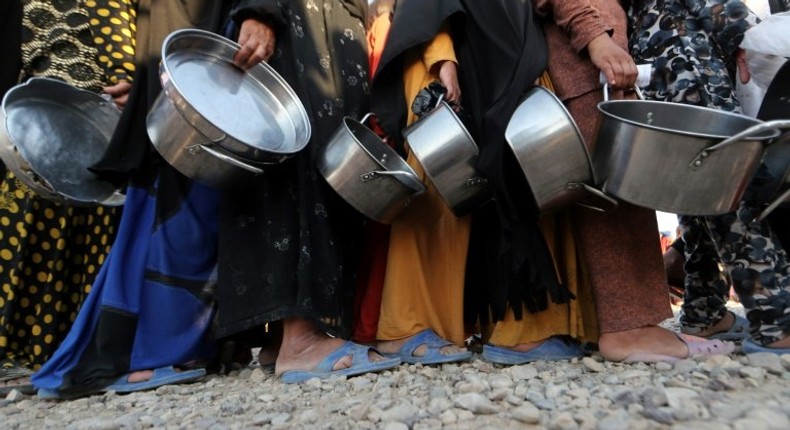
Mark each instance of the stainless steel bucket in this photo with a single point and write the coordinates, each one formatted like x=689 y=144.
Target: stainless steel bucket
x=227 y=122
x=552 y=153
x=677 y=158
x=52 y=132
x=448 y=154
x=367 y=173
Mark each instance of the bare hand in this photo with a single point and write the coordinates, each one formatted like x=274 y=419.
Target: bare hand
x=448 y=76
x=613 y=61
x=743 y=67
x=257 y=41
x=119 y=92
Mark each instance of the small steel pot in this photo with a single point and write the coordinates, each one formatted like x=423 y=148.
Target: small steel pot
x=448 y=154
x=52 y=132
x=552 y=153
x=367 y=173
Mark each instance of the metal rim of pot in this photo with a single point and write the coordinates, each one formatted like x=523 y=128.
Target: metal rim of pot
x=213 y=132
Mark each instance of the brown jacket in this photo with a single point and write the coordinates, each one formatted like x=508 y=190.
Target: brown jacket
x=569 y=27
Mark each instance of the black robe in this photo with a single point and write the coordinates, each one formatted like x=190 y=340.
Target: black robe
x=288 y=244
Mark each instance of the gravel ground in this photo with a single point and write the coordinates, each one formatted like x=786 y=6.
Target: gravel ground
x=734 y=392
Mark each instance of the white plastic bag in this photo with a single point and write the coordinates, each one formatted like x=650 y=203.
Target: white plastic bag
x=767 y=47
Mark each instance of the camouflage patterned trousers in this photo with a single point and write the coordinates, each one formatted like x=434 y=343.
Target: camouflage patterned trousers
x=753 y=258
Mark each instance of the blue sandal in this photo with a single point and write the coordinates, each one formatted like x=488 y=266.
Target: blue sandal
x=433 y=353
x=167 y=375
x=360 y=364
x=749 y=346
x=552 y=349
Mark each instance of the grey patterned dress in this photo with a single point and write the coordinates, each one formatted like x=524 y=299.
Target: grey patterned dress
x=287 y=241
x=689 y=43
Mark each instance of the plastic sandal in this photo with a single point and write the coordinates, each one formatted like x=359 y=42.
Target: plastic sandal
x=360 y=364
x=552 y=349
x=737 y=332
x=749 y=346
x=697 y=346
x=167 y=375
x=433 y=353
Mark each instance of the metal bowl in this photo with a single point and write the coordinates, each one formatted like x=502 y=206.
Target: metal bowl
x=52 y=132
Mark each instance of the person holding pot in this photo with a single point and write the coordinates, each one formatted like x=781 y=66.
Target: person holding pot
x=619 y=248
x=289 y=245
x=423 y=303
x=147 y=318
x=427 y=243
x=755 y=260
x=51 y=251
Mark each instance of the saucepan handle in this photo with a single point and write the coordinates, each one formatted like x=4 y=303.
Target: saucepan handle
x=597 y=193
x=606 y=92
x=785 y=197
x=231 y=160
x=405 y=178
x=759 y=128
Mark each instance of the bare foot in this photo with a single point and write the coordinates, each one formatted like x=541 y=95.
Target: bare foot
x=140 y=376
x=268 y=355
x=393 y=346
x=618 y=345
x=722 y=326
x=303 y=347
x=781 y=343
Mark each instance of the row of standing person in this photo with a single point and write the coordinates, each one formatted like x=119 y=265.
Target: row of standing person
x=223 y=265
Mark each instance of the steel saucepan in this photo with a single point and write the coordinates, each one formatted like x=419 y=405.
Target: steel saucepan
x=52 y=132
x=217 y=123
x=448 y=154
x=551 y=153
x=367 y=173
x=678 y=158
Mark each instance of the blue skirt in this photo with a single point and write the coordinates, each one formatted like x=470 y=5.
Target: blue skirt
x=153 y=302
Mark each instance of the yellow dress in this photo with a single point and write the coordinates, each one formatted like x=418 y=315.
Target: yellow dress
x=424 y=281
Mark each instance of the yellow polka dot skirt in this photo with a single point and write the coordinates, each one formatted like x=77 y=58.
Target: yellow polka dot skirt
x=49 y=256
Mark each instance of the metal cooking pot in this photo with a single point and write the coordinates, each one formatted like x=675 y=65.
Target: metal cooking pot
x=367 y=173
x=552 y=153
x=217 y=123
x=678 y=158
x=448 y=154
x=52 y=132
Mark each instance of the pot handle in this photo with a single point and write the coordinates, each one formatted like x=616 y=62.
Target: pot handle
x=227 y=159
x=768 y=125
x=117 y=198
x=785 y=197
x=594 y=191
x=366 y=117
x=405 y=178
x=606 y=92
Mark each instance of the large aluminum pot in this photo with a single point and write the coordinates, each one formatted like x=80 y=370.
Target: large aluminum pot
x=52 y=132
x=219 y=124
x=552 y=153
x=677 y=158
x=367 y=173
x=448 y=154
